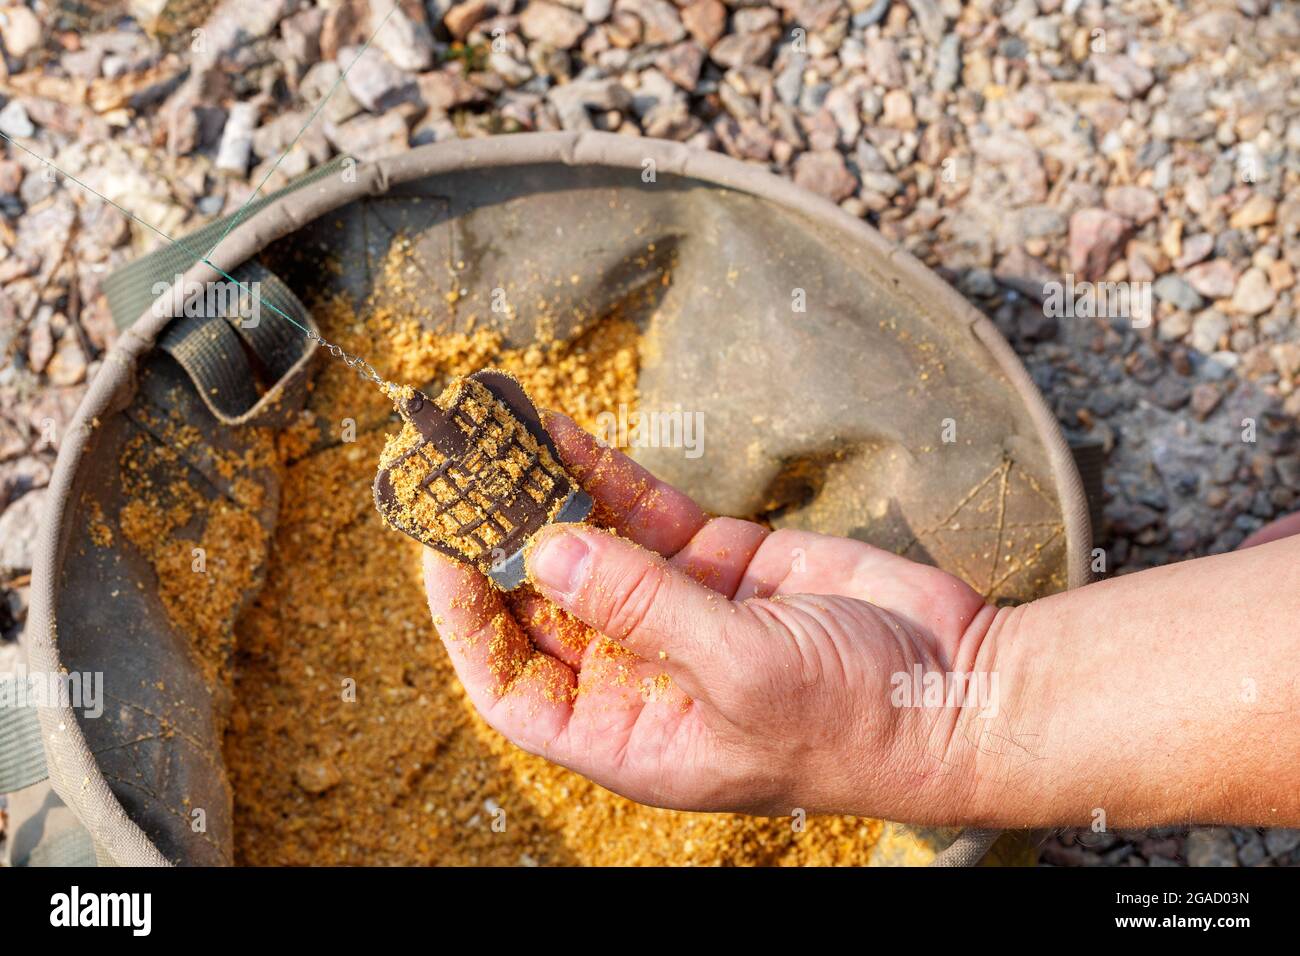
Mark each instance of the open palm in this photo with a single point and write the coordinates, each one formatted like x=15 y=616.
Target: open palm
x=711 y=664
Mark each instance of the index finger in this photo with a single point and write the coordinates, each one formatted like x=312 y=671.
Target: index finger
x=639 y=506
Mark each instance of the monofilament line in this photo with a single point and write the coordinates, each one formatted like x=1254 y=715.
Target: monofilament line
x=239 y=213
x=362 y=367
x=355 y=362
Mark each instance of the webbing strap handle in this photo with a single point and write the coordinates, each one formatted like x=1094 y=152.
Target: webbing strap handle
x=130 y=289
x=226 y=356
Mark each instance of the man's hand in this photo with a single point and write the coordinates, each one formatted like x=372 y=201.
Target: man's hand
x=725 y=667
x=719 y=665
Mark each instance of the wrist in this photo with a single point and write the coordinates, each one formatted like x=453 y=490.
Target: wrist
x=1069 y=743
x=995 y=741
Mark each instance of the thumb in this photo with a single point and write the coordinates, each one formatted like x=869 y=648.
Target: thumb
x=635 y=597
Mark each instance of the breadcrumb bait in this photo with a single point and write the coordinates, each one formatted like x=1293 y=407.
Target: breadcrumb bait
x=350 y=739
x=204 y=576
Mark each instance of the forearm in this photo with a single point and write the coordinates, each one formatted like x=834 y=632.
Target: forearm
x=1166 y=696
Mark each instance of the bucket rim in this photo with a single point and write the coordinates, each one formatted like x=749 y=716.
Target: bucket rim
x=73 y=772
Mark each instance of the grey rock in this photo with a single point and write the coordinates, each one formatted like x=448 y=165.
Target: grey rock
x=789 y=82
x=1219 y=365
x=1280 y=841
x=813 y=97
x=375 y=82
x=978 y=283
x=572 y=100
x=1207 y=329
x=273 y=138
x=1253 y=293
x=682 y=64
x=1288 y=470
x=236 y=147
x=1128 y=517
x=1231 y=244
x=1215 y=279
x=1096 y=237
x=1151 y=152
x=20 y=31
x=15 y=122
x=1044 y=32
x=1133 y=202
x=746 y=49
x=868 y=158
x=1211 y=847
x=18 y=529
x=705 y=20
x=930 y=19
x=301 y=34
x=509 y=69
x=947 y=68
x=654 y=88
x=405 y=38
x=1018 y=14
x=84 y=64
x=1034 y=326
x=660 y=22
x=370 y=137
x=884 y=183
x=317 y=84
x=1251 y=850
x=1040 y=222
x=1126 y=78
x=1175 y=290
x=597 y=11
x=552 y=24
x=824 y=173
x=1171 y=392
x=1013 y=48
x=883 y=63
x=68 y=366
x=871 y=15
x=231 y=27
x=1195 y=248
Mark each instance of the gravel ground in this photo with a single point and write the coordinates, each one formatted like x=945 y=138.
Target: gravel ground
x=1152 y=144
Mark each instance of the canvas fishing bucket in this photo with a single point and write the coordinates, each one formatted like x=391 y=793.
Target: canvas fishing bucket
x=845 y=389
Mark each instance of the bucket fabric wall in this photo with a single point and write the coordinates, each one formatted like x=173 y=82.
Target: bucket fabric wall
x=827 y=364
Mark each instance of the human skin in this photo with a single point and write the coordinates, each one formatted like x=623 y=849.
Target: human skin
x=1160 y=697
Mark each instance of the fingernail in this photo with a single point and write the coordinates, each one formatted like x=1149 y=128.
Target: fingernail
x=560 y=562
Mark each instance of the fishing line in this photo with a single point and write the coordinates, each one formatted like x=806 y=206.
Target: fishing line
x=355 y=362
x=310 y=119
